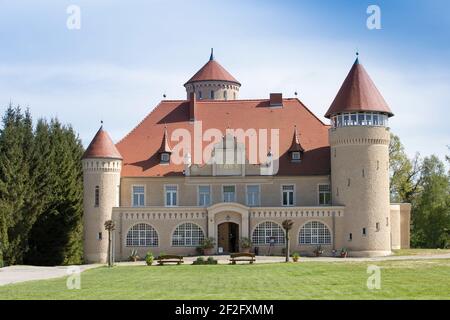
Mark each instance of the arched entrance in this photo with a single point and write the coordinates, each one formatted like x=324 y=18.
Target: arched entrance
x=228 y=237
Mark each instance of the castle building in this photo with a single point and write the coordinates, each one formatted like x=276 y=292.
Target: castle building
x=213 y=166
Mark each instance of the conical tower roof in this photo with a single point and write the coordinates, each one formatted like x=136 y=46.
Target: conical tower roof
x=102 y=147
x=358 y=93
x=212 y=71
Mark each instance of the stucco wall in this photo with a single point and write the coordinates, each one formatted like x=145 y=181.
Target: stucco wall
x=306 y=189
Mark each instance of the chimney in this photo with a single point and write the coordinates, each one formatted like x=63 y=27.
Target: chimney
x=276 y=100
x=192 y=106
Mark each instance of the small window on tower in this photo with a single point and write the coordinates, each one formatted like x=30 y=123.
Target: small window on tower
x=350 y=237
x=97 y=196
x=377 y=226
x=225 y=95
x=99 y=236
x=387 y=222
x=364 y=232
x=212 y=94
x=199 y=94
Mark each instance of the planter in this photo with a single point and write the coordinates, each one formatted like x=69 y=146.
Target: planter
x=245 y=250
x=344 y=254
x=208 y=252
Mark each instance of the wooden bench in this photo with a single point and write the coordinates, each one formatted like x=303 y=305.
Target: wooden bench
x=170 y=259
x=245 y=257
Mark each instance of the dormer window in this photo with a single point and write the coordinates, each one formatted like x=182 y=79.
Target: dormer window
x=164 y=151
x=296 y=149
x=296 y=156
x=165 y=157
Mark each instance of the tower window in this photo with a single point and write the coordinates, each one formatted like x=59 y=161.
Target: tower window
x=387 y=222
x=99 y=236
x=364 y=232
x=377 y=226
x=234 y=95
x=348 y=183
x=350 y=237
x=200 y=95
x=97 y=196
x=225 y=95
x=211 y=94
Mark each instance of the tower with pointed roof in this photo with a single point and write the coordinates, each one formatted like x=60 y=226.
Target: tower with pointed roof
x=102 y=165
x=359 y=141
x=213 y=82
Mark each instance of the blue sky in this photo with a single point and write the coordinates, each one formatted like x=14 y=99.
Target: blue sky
x=127 y=54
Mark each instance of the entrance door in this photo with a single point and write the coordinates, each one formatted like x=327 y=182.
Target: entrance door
x=228 y=237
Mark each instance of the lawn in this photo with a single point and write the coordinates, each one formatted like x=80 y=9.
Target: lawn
x=415 y=252
x=425 y=279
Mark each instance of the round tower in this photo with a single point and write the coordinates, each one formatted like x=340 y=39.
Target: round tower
x=213 y=82
x=102 y=164
x=359 y=140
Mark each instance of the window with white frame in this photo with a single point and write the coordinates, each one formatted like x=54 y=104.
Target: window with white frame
x=253 y=195
x=142 y=235
x=138 y=196
x=288 y=195
x=324 y=194
x=171 y=195
x=268 y=232
x=314 y=232
x=187 y=235
x=204 y=196
x=229 y=194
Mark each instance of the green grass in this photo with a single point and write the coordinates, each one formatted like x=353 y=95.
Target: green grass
x=425 y=279
x=415 y=252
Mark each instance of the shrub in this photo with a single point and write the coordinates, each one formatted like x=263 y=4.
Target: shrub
x=211 y=260
x=245 y=243
x=295 y=256
x=149 y=258
x=209 y=243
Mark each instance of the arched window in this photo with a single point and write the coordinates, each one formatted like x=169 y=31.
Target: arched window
x=268 y=232
x=142 y=235
x=314 y=232
x=187 y=235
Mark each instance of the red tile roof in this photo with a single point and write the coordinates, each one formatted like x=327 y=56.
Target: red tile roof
x=211 y=71
x=102 y=147
x=358 y=93
x=140 y=147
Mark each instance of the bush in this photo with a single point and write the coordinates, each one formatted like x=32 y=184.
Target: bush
x=202 y=261
x=295 y=256
x=245 y=243
x=149 y=258
x=209 y=243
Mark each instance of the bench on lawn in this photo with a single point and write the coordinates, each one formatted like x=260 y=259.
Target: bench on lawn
x=169 y=259
x=245 y=257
